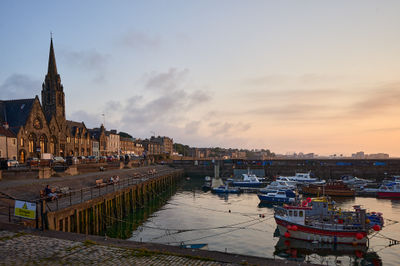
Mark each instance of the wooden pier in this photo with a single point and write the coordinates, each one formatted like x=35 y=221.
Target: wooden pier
x=91 y=210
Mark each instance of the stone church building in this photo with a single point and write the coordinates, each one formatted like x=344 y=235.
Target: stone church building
x=42 y=127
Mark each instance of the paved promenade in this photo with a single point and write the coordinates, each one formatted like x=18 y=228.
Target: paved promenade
x=26 y=249
x=19 y=246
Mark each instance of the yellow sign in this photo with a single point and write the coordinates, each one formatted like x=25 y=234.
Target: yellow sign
x=25 y=209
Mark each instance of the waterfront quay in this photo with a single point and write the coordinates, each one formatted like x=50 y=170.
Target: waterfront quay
x=57 y=236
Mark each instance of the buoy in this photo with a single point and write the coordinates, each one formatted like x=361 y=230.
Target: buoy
x=376 y=227
x=359 y=253
x=367 y=221
x=359 y=236
x=340 y=221
x=294 y=227
x=304 y=203
x=308 y=199
x=287 y=234
x=289 y=227
x=229 y=211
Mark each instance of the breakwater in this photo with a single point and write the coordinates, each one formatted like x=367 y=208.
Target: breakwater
x=94 y=210
x=323 y=168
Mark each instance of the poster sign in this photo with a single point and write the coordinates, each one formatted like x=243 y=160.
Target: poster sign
x=25 y=209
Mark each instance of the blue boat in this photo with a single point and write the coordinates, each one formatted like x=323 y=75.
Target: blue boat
x=279 y=196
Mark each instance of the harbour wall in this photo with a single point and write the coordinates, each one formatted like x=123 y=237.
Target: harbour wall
x=95 y=215
x=325 y=169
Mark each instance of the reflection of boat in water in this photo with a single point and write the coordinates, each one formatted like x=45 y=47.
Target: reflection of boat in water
x=296 y=249
x=195 y=246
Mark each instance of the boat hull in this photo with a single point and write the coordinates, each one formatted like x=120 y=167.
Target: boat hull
x=267 y=199
x=247 y=184
x=308 y=233
x=388 y=194
x=329 y=192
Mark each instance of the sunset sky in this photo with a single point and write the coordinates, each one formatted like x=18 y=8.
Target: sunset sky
x=290 y=76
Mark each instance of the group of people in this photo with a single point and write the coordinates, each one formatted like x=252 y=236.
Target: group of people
x=114 y=179
x=50 y=192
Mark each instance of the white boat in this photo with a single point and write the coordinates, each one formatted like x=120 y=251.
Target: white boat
x=355 y=181
x=277 y=185
x=286 y=179
x=389 y=190
x=303 y=178
x=249 y=180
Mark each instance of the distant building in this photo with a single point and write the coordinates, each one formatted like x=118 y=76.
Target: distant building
x=8 y=143
x=127 y=145
x=99 y=134
x=150 y=147
x=95 y=147
x=378 y=156
x=358 y=155
x=166 y=144
x=113 y=142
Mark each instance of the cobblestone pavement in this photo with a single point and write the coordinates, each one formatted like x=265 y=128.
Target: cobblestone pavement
x=27 y=249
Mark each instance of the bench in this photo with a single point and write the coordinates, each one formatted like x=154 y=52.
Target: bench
x=99 y=183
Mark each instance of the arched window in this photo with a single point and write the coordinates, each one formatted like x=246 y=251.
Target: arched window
x=31 y=143
x=43 y=144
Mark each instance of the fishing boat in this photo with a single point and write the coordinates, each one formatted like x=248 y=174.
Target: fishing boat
x=279 y=196
x=248 y=180
x=277 y=185
x=318 y=220
x=389 y=190
x=331 y=188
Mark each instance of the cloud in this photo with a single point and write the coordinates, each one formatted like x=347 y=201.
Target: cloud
x=377 y=101
x=192 y=128
x=138 y=39
x=18 y=86
x=89 y=60
x=305 y=79
x=168 y=81
x=90 y=120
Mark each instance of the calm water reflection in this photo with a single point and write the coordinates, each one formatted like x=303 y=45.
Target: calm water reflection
x=238 y=224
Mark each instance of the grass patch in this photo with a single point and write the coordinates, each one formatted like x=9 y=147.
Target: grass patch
x=72 y=248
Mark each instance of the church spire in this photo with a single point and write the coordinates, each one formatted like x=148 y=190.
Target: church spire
x=52 y=69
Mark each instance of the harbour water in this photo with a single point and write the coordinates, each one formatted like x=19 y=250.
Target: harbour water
x=238 y=224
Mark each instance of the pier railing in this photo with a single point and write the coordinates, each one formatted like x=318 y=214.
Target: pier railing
x=73 y=197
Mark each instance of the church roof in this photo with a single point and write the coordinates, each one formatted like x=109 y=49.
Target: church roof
x=73 y=125
x=6 y=132
x=16 y=112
